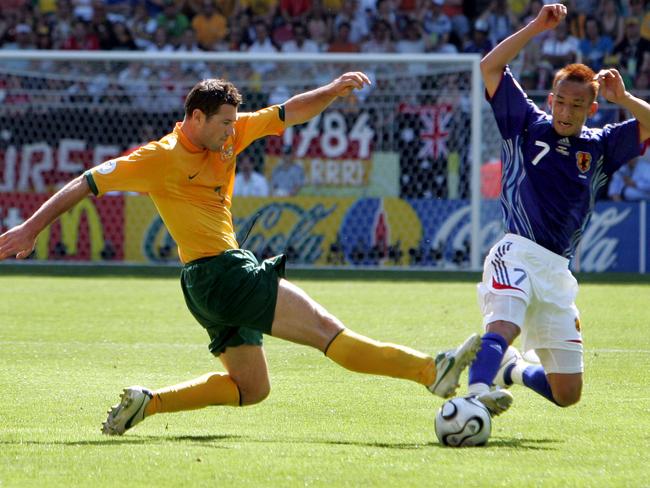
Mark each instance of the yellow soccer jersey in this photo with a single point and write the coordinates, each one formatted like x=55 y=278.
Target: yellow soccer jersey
x=191 y=187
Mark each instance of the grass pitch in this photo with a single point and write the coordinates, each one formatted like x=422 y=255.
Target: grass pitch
x=69 y=344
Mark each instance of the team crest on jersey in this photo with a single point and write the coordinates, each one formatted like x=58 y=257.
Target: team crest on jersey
x=583 y=161
x=227 y=152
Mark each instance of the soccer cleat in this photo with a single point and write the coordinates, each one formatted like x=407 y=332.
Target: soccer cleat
x=496 y=401
x=127 y=413
x=450 y=364
x=510 y=358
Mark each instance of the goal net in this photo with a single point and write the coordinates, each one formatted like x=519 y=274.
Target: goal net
x=401 y=174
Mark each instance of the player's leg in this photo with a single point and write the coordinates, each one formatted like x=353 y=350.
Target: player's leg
x=504 y=295
x=558 y=378
x=245 y=383
x=299 y=318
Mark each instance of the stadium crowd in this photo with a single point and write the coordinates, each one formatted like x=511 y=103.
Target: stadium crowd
x=597 y=32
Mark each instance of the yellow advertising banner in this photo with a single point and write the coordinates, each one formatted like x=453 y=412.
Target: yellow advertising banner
x=312 y=229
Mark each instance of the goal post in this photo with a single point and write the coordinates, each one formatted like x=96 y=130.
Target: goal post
x=394 y=175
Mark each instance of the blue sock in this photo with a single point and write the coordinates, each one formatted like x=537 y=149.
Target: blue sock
x=487 y=362
x=535 y=378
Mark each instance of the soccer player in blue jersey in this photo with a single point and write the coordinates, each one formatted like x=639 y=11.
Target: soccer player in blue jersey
x=553 y=167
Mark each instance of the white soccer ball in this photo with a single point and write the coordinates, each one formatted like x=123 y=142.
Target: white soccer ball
x=462 y=422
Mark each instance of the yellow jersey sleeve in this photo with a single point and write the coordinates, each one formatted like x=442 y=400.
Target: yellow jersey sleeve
x=250 y=126
x=142 y=171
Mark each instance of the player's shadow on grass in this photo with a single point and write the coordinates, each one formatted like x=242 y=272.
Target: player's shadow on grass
x=216 y=441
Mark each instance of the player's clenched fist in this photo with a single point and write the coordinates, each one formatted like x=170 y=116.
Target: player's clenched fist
x=354 y=80
x=550 y=16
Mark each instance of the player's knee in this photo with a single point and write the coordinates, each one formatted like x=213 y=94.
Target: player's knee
x=567 y=396
x=252 y=394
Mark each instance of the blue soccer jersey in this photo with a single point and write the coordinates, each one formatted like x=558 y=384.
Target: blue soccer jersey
x=550 y=182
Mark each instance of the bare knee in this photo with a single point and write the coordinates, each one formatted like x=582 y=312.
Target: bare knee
x=250 y=394
x=566 y=395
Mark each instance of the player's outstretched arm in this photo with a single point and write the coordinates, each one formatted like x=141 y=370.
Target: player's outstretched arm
x=20 y=240
x=303 y=107
x=613 y=89
x=493 y=63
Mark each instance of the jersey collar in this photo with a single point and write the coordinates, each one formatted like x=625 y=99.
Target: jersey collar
x=184 y=140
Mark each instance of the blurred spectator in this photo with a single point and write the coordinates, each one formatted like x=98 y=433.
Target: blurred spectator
x=123 y=38
x=102 y=27
x=413 y=42
x=341 y=42
x=210 y=25
x=460 y=24
x=318 y=30
x=479 y=42
x=138 y=24
x=248 y=182
x=43 y=36
x=262 y=44
x=260 y=9
x=23 y=39
x=299 y=43
x=380 y=40
x=237 y=39
x=357 y=22
x=81 y=38
x=611 y=20
x=172 y=20
x=560 y=48
x=288 y=177
x=500 y=20
x=637 y=10
x=387 y=12
x=632 y=181
x=595 y=47
x=633 y=52
x=434 y=21
x=293 y=11
x=160 y=41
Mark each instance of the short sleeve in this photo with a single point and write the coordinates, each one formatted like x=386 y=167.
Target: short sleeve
x=621 y=144
x=513 y=110
x=141 y=171
x=250 y=126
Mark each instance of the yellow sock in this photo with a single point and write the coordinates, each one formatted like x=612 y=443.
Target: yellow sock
x=206 y=390
x=364 y=355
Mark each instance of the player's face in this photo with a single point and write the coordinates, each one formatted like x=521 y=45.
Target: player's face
x=571 y=104
x=218 y=127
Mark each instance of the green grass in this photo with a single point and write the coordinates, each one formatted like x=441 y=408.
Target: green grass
x=69 y=344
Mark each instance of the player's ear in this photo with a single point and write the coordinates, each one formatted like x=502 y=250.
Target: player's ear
x=197 y=115
x=549 y=100
x=593 y=108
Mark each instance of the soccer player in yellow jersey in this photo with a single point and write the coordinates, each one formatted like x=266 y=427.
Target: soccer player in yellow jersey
x=189 y=175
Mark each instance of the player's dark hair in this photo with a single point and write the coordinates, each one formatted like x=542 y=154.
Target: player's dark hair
x=580 y=73
x=209 y=95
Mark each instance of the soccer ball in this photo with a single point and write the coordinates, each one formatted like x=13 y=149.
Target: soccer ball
x=462 y=422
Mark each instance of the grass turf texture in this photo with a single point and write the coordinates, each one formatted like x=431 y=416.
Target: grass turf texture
x=69 y=344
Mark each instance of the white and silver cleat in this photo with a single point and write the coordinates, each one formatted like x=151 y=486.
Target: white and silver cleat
x=127 y=413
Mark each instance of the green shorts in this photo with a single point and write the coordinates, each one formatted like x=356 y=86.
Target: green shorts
x=233 y=296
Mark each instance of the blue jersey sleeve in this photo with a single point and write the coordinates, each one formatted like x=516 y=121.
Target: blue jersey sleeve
x=621 y=144
x=513 y=110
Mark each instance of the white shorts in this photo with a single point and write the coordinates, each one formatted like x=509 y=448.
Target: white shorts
x=532 y=287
